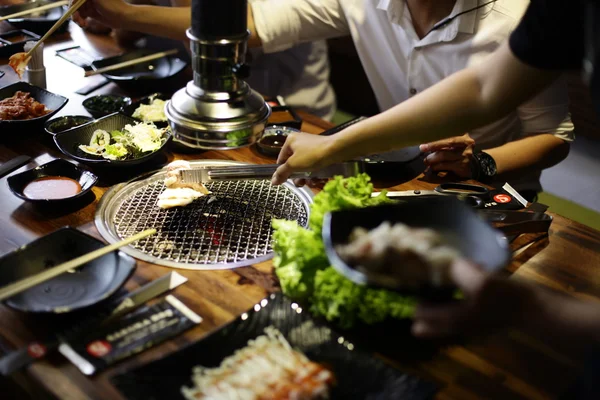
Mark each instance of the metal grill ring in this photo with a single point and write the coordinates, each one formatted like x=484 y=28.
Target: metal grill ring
x=229 y=228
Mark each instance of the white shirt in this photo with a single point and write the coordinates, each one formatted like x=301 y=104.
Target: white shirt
x=300 y=74
x=398 y=64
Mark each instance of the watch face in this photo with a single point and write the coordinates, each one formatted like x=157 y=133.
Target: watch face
x=488 y=165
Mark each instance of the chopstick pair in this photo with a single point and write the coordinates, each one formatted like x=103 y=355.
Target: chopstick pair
x=29 y=282
x=132 y=62
x=57 y=25
x=34 y=10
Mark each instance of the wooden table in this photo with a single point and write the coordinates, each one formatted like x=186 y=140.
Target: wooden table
x=504 y=366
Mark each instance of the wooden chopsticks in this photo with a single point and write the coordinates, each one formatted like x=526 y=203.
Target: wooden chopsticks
x=57 y=25
x=34 y=10
x=132 y=62
x=27 y=283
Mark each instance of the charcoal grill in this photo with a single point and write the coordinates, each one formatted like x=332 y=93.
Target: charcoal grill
x=227 y=229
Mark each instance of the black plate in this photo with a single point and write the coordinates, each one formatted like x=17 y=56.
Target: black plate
x=65 y=123
x=39 y=24
x=68 y=142
x=130 y=109
x=58 y=167
x=359 y=374
x=53 y=102
x=89 y=285
x=455 y=221
x=13 y=42
x=155 y=72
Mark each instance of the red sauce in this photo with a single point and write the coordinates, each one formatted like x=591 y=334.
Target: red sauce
x=52 y=187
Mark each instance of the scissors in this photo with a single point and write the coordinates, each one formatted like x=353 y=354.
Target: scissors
x=474 y=195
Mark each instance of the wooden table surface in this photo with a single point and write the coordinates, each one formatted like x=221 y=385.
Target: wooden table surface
x=504 y=366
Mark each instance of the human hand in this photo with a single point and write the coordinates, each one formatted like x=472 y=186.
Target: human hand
x=303 y=152
x=452 y=155
x=490 y=304
x=112 y=13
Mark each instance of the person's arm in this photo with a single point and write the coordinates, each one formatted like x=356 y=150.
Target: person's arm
x=468 y=99
x=562 y=321
x=170 y=22
x=533 y=153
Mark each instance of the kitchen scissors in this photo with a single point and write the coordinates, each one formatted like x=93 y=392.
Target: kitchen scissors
x=474 y=195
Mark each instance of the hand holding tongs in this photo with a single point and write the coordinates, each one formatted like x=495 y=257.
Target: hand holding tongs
x=265 y=171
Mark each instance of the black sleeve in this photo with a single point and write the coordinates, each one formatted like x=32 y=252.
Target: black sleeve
x=551 y=34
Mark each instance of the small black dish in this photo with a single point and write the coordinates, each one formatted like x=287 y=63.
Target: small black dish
x=273 y=138
x=64 y=123
x=156 y=72
x=53 y=102
x=68 y=142
x=88 y=285
x=130 y=109
x=284 y=116
x=12 y=42
x=458 y=223
x=105 y=104
x=58 y=167
x=358 y=374
x=39 y=23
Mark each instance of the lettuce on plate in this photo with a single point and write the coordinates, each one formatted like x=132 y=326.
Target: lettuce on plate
x=306 y=275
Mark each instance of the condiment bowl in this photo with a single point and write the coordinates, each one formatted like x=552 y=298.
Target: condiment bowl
x=272 y=140
x=87 y=286
x=14 y=129
x=68 y=142
x=459 y=225
x=62 y=124
x=105 y=104
x=58 y=167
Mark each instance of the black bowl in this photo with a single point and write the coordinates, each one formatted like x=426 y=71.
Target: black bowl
x=155 y=73
x=62 y=124
x=14 y=41
x=53 y=102
x=39 y=24
x=130 y=109
x=91 y=104
x=88 y=285
x=458 y=223
x=68 y=142
x=58 y=167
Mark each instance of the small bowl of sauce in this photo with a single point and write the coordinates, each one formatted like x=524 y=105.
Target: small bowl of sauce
x=58 y=180
x=273 y=138
x=62 y=124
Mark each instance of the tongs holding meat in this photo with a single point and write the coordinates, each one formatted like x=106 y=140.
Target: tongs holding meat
x=245 y=172
x=19 y=61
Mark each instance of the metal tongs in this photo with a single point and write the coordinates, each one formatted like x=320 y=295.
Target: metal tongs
x=265 y=171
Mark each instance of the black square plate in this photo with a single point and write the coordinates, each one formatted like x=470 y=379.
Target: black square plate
x=53 y=102
x=359 y=375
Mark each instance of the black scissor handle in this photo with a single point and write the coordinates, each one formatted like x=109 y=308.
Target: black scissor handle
x=463 y=189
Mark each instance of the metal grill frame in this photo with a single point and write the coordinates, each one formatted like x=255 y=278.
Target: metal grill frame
x=114 y=197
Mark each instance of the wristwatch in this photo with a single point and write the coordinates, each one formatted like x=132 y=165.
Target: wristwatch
x=483 y=167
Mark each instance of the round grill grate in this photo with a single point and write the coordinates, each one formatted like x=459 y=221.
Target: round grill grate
x=231 y=227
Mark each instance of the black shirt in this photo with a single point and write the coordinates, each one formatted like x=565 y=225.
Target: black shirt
x=551 y=35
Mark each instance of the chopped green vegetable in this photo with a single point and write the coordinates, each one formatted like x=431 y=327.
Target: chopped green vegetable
x=306 y=275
